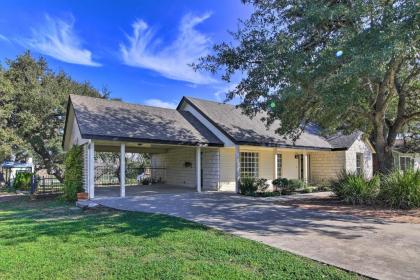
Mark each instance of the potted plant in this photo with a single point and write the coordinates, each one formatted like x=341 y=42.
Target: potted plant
x=82 y=195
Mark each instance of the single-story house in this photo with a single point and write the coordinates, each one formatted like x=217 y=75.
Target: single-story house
x=207 y=145
x=404 y=157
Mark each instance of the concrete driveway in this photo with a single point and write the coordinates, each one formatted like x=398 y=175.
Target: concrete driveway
x=373 y=247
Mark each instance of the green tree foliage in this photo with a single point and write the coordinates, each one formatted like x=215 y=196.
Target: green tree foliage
x=22 y=181
x=342 y=64
x=33 y=102
x=73 y=175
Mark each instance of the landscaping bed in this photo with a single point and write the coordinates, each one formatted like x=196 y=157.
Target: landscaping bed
x=50 y=239
x=332 y=204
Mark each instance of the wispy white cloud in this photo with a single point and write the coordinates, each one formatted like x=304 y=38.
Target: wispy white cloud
x=57 y=38
x=160 y=103
x=220 y=93
x=4 y=38
x=145 y=50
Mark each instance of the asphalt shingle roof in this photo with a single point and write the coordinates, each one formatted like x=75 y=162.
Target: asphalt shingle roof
x=342 y=141
x=105 y=119
x=244 y=130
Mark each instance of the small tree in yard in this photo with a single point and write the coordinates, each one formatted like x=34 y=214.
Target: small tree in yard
x=347 y=65
x=73 y=174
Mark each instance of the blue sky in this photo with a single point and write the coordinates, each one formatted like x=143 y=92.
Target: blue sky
x=140 y=50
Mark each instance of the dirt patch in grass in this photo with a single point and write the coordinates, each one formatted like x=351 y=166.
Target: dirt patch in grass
x=333 y=205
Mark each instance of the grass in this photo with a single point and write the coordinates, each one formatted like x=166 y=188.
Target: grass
x=49 y=239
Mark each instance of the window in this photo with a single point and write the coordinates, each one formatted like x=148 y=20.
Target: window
x=279 y=165
x=359 y=163
x=406 y=163
x=249 y=165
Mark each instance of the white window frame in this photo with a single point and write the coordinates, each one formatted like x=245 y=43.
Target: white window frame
x=359 y=169
x=407 y=163
x=249 y=166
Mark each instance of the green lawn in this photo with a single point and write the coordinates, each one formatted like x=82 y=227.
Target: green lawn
x=47 y=239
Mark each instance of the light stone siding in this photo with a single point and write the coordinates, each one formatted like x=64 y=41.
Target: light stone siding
x=359 y=146
x=178 y=174
x=325 y=166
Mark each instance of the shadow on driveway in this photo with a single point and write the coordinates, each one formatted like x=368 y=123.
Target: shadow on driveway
x=374 y=247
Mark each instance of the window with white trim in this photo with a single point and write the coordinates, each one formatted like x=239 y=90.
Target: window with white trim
x=406 y=163
x=249 y=165
x=359 y=163
x=279 y=165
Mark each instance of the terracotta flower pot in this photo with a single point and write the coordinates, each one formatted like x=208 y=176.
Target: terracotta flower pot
x=82 y=196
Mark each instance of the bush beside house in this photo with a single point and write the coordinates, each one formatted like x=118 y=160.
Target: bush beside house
x=395 y=190
x=73 y=174
x=252 y=186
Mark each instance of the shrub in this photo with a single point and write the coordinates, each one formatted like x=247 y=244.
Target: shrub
x=307 y=190
x=22 y=181
x=73 y=174
x=250 y=186
x=146 y=181
x=355 y=189
x=286 y=186
x=247 y=186
x=401 y=190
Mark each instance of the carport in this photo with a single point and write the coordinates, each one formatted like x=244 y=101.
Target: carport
x=177 y=141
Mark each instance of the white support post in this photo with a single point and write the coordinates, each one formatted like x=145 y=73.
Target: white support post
x=122 y=170
x=305 y=168
x=276 y=168
x=198 y=168
x=91 y=174
x=237 y=168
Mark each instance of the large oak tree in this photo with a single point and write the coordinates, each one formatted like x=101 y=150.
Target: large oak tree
x=345 y=65
x=33 y=102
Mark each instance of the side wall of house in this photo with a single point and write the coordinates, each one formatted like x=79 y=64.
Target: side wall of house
x=73 y=135
x=180 y=167
x=325 y=166
x=359 y=146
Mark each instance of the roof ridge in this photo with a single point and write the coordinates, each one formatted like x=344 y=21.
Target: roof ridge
x=207 y=100
x=122 y=102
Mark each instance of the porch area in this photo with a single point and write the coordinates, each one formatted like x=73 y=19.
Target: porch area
x=170 y=169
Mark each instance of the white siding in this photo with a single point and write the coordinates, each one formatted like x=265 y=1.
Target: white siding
x=227 y=169
x=73 y=137
x=227 y=166
x=289 y=164
x=85 y=168
x=359 y=146
x=210 y=166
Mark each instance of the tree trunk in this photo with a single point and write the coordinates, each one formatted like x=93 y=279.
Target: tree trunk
x=385 y=158
x=382 y=148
